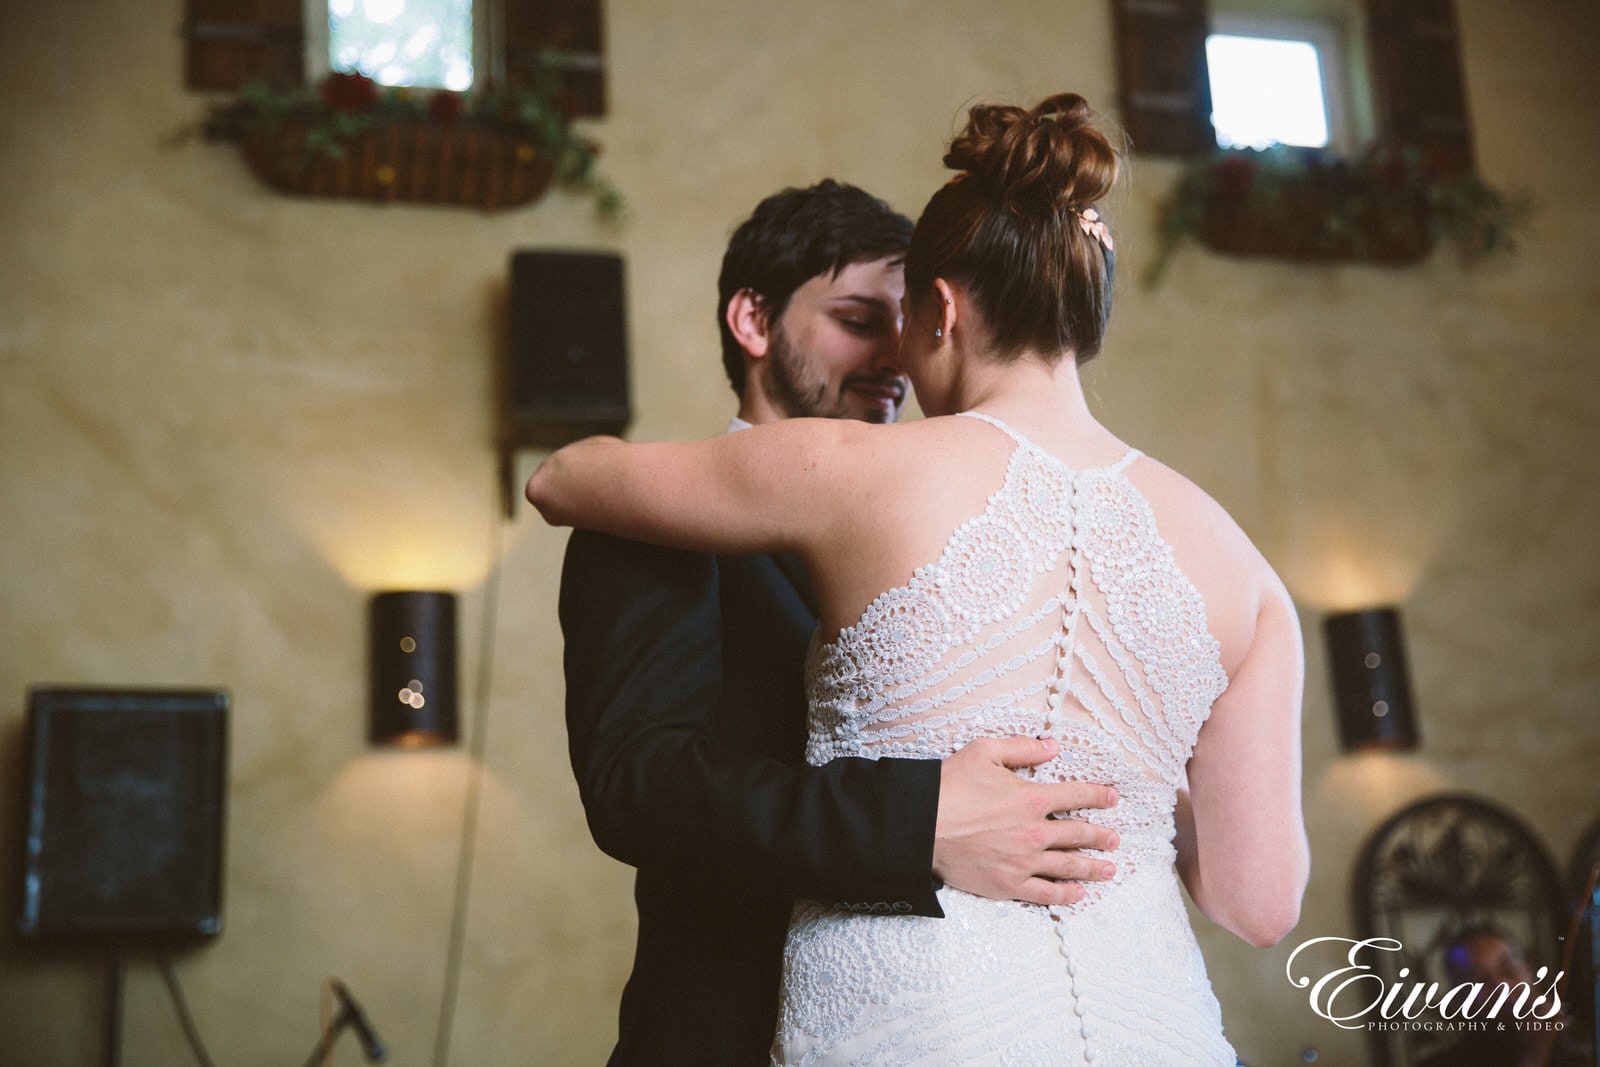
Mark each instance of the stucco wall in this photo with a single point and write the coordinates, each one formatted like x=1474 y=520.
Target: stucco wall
x=226 y=416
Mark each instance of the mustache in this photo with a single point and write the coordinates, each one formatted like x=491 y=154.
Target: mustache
x=898 y=383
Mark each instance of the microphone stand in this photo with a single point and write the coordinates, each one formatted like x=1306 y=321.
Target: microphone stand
x=350 y=1015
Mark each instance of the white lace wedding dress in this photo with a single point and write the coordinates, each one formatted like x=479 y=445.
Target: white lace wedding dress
x=1059 y=610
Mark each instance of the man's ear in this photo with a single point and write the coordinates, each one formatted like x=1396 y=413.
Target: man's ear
x=747 y=319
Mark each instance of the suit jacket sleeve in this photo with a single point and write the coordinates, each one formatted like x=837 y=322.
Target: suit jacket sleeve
x=643 y=669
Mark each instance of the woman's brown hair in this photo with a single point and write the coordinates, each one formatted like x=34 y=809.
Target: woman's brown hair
x=1012 y=230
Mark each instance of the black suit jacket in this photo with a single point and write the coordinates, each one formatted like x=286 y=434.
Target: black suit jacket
x=686 y=728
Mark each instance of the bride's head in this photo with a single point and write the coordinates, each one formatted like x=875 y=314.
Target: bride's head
x=1016 y=234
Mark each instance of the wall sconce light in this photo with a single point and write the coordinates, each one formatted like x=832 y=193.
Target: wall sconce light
x=412 y=641
x=1371 y=688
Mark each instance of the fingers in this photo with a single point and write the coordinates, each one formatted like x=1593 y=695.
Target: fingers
x=1059 y=878
x=996 y=835
x=1043 y=891
x=1017 y=751
x=1074 y=796
x=1074 y=867
x=1065 y=834
x=1048 y=878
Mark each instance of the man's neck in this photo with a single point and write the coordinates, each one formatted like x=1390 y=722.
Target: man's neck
x=757 y=410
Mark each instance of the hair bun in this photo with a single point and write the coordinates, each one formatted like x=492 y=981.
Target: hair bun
x=1049 y=156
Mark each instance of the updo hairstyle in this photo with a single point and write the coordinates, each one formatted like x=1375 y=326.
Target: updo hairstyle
x=1009 y=228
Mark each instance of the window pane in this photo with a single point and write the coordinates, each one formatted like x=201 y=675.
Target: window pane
x=403 y=42
x=1266 y=91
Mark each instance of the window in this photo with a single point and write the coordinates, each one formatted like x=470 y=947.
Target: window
x=1278 y=81
x=426 y=43
x=1265 y=91
x=1392 y=70
x=234 y=42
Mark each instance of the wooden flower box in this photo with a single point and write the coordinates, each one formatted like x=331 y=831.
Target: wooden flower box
x=416 y=161
x=1301 y=224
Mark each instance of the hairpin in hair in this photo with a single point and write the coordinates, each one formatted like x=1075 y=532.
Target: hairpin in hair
x=1089 y=222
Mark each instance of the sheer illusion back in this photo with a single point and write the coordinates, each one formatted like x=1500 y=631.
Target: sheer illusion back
x=1058 y=610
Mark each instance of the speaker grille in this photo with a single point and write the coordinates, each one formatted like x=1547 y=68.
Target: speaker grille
x=569 y=364
x=125 y=814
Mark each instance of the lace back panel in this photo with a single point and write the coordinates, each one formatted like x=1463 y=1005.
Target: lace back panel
x=1057 y=611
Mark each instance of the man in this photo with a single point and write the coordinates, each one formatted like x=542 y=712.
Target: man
x=686 y=704
x=1485 y=955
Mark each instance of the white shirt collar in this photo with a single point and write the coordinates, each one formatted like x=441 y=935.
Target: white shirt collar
x=736 y=423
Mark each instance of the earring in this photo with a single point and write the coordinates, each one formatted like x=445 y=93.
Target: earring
x=939 y=332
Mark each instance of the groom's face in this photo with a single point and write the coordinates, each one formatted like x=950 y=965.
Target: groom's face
x=833 y=350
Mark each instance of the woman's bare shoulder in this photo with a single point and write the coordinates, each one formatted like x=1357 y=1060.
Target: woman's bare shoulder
x=1214 y=551
x=874 y=453
x=1185 y=509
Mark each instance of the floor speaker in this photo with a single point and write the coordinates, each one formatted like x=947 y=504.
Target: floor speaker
x=124 y=810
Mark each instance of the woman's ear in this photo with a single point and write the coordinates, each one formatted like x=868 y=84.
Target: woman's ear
x=747 y=320
x=947 y=311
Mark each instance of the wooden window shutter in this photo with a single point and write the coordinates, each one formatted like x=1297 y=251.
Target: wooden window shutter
x=1161 y=73
x=1417 y=78
x=562 y=37
x=234 y=42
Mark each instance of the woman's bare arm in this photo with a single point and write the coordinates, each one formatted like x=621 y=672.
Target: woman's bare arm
x=1242 y=849
x=769 y=488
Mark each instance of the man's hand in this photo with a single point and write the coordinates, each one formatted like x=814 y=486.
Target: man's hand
x=995 y=837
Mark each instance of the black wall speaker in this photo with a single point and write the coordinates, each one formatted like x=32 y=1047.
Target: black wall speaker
x=125 y=801
x=567 y=366
x=569 y=346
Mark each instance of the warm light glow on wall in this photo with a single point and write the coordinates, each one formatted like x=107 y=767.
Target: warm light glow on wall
x=403 y=809
x=428 y=537
x=381 y=551
x=1337 y=564
x=400 y=516
x=1369 y=786
x=398 y=810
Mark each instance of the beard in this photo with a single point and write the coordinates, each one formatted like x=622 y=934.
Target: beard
x=800 y=391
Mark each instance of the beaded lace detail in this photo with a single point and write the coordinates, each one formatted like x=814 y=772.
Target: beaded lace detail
x=1058 y=610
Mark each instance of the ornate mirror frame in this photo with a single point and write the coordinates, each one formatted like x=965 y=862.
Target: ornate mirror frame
x=1435 y=868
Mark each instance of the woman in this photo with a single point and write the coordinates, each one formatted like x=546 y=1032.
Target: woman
x=1008 y=566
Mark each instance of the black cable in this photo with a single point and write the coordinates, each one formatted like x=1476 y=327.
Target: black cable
x=111 y=1038
x=181 y=1006
x=469 y=821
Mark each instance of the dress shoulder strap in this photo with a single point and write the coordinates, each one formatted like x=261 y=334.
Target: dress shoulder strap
x=1115 y=468
x=1122 y=464
x=997 y=424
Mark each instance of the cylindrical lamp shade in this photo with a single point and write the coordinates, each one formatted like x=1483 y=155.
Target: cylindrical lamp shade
x=1371 y=688
x=412 y=639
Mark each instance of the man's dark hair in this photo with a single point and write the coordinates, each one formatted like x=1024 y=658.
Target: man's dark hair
x=797 y=235
x=1457 y=953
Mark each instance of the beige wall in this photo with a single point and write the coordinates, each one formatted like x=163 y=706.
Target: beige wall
x=226 y=416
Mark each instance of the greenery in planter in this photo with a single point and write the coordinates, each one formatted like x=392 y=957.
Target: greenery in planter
x=1390 y=204
x=343 y=107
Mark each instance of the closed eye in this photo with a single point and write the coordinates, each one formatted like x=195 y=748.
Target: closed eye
x=863 y=327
